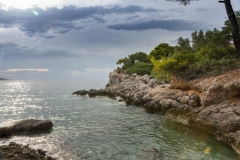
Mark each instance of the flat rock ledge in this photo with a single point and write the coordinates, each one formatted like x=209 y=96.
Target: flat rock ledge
x=26 y=126
x=210 y=105
x=14 y=151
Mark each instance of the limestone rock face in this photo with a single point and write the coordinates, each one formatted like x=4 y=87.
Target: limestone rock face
x=114 y=78
x=214 y=95
x=232 y=89
x=135 y=90
x=212 y=104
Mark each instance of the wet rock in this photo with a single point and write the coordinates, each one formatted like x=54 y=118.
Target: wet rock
x=31 y=125
x=14 y=151
x=5 y=132
x=166 y=104
x=81 y=92
x=24 y=126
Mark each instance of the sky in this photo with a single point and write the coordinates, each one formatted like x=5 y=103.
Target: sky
x=82 y=40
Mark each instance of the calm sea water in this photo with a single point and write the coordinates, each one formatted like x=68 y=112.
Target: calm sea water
x=100 y=128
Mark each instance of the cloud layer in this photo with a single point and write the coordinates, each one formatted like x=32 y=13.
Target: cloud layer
x=27 y=69
x=38 y=21
x=170 y=25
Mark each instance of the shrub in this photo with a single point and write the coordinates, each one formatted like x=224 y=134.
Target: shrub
x=141 y=68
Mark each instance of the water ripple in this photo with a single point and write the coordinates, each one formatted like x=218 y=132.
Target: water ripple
x=100 y=128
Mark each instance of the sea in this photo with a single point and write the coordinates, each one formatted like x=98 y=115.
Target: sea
x=100 y=128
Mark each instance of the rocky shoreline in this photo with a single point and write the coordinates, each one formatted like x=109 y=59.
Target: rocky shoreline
x=15 y=151
x=211 y=104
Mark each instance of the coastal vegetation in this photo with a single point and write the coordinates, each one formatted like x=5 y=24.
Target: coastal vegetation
x=135 y=63
x=206 y=54
x=232 y=20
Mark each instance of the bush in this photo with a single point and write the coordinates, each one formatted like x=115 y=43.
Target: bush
x=140 y=68
x=214 y=52
x=178 y=63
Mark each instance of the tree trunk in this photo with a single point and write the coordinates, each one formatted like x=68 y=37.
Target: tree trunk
x=235 y=27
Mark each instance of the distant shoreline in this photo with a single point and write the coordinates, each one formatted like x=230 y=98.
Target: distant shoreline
x=3 y=79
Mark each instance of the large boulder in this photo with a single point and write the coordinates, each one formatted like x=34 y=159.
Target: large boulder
x=28 y=125
x=5 y=132
x=31 y=125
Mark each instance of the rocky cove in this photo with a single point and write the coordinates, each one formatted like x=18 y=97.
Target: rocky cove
x=210 y=104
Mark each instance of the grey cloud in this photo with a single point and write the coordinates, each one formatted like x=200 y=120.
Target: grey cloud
x=170 y=25
x=11 y=51
x=48 y=37
x=37 y=21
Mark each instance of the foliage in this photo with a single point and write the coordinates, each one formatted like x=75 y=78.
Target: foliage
x=141 y=68
x=209 y=67
x=198 y=40
x=183 y=44
x=227 y=28
x=175 y=64
x=135 y=63
x=214 y=53
x=210 y=54
x=162 y=50
x=206 y=54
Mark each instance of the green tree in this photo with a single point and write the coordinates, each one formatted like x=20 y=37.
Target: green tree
x=198 y=40
x=141 y=68
x=162 y=50
x=227 y=28
x=183 y=44
x=175 y=65
x=135 y=63
x=216 y=37
x=125 y=61
x=139 y=56
x=231 y=17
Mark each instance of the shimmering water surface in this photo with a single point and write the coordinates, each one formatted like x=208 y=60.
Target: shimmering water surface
x=101 y=128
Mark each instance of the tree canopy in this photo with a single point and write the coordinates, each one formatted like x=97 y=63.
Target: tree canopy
x=135 y=63
x=162 y=50
x=232 y=21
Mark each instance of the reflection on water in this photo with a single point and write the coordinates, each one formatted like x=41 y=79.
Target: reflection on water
x=101 y=128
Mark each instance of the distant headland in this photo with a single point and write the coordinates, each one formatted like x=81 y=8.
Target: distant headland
x=3 y=79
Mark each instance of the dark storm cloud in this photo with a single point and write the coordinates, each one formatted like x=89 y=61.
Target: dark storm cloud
x=170 y=25
x=37 y=21
x=12 y=51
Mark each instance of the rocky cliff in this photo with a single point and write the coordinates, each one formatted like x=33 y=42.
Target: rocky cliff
x=211 y=103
